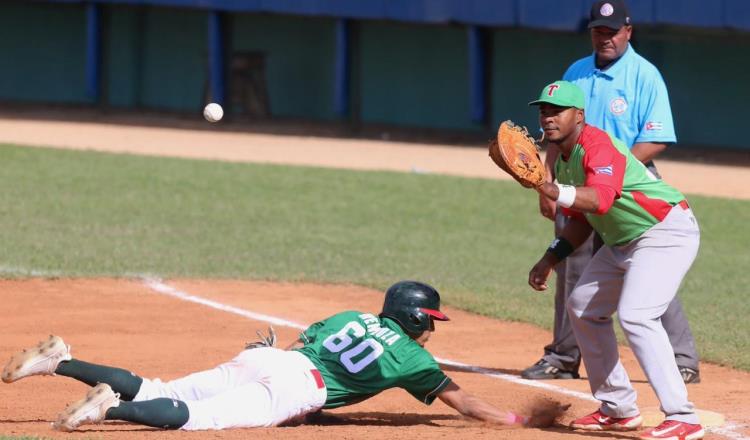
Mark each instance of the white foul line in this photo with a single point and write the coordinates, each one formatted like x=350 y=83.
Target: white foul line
x=728 y=430
x=160 y=287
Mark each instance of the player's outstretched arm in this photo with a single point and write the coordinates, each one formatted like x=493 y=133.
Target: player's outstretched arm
x=544 y=413
x=474 y=407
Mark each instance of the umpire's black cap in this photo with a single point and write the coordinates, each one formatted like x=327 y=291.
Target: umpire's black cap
x=610 y=13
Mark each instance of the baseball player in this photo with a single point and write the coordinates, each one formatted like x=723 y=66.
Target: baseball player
x=626 y=96
x=339 y=361
x=650 y=241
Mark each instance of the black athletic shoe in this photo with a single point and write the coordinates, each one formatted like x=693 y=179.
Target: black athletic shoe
x=689 y=375
x=544 y=370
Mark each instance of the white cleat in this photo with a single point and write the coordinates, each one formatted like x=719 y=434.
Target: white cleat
x=90 y=409
x=41 y=359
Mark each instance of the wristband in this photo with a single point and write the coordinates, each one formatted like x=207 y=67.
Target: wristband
x=560 y=248
x=567 y=195
x=513 y=419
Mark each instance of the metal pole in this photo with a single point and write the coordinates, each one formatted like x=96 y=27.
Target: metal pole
x=216 y=66
x=93 y=51
x=342 y=68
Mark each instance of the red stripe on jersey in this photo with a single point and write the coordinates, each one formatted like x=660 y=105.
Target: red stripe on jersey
x=603 y=165
x=318 y=379
x=606 y=195
x=656 y=207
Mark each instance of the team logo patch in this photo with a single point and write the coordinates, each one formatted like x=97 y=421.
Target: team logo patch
x=654 y=126
x=606 y=10
x=604 y=170
x=551 y=89
x=618 y=106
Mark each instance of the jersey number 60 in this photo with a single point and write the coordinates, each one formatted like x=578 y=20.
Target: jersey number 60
x=341 y=340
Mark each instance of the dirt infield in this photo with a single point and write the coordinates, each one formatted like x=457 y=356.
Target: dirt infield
x=125 y=323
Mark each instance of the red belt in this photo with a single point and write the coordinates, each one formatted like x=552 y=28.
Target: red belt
x=318 y=379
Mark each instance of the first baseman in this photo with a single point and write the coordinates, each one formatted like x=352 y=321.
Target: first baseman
x=651 y=238
x=339 y=361
x=626 y=96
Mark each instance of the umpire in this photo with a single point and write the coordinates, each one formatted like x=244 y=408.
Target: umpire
x=626 y=96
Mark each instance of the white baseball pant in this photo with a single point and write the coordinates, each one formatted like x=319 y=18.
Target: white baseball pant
x=259 y=387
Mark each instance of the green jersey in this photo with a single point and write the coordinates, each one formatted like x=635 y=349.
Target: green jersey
x=360 y=354
x=631 y=198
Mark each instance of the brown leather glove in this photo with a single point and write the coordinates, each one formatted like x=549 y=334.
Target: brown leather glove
x=516 y=153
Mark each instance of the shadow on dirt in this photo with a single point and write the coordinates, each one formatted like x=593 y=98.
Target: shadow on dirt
x=480 y=370
x=377 y=419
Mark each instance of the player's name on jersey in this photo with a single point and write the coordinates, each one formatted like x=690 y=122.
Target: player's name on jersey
x=388 y=336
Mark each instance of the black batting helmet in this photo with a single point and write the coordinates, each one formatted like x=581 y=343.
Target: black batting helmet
x=413 y=305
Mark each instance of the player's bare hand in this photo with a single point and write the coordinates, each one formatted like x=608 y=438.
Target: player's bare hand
x=547 y=207
x=540 y=273
x=548 y=190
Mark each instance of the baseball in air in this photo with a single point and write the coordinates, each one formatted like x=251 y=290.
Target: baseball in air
x=213 y=112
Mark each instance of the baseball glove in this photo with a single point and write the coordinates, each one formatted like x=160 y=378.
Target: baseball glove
x=516 y=153
x=265 y=341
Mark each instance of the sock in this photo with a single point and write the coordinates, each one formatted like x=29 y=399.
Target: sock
x=158 y=413
x=121 y=381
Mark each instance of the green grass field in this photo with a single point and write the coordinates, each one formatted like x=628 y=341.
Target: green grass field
x=92 y=214
x=2 y=437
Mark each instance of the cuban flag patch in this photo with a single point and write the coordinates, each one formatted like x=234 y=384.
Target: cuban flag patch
x=654 y=126
x=603 y=170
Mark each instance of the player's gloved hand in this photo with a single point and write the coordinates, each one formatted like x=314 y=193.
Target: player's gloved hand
x=517 y=153
x=265 y=340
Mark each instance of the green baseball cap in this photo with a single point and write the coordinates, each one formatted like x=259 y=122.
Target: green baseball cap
x=563 y=94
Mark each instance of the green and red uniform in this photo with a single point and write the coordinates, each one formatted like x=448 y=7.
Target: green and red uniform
x=631 y=199
x=651 y=239
x=360 y=354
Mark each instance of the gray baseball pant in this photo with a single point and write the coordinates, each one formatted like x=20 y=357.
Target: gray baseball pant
x=563 y=351
x=638 y=281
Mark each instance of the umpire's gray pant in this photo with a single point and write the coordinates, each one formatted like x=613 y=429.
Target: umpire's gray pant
x=563 y=352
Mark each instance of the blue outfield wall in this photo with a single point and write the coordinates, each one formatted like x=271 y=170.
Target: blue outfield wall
x=407 y=74
x=706 y=77
x=523 y=62
x=155 y=58
x=414 y=75
x=299 y=60
x=43 y=50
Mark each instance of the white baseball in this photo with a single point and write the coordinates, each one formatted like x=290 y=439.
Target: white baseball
x=213 y=112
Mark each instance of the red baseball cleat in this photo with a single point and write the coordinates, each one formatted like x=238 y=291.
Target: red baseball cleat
x=675 y=430
x=597 y=421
